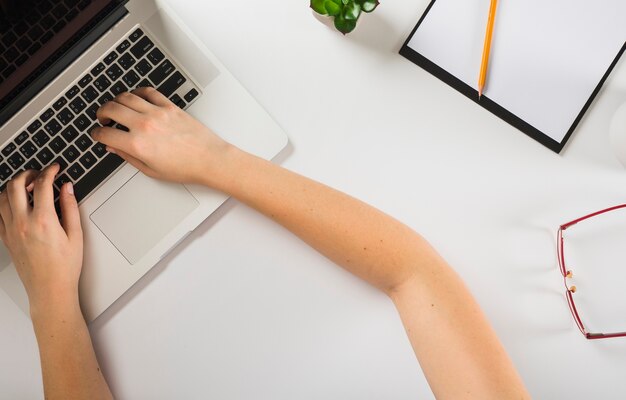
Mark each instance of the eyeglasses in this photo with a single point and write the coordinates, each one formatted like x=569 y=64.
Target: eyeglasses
x=567 y=274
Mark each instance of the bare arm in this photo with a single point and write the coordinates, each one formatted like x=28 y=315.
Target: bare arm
x=48 y=258
x=457 y=349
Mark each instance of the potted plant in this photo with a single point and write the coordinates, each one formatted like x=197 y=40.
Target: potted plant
x=345 y=13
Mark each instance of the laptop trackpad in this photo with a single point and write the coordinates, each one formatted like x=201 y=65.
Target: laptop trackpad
x=141 y=213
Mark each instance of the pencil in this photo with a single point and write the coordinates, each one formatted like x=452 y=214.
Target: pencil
x=487 y=48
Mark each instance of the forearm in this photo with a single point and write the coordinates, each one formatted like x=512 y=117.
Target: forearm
x=68 y=362
x=354 y=235
x=459 y=352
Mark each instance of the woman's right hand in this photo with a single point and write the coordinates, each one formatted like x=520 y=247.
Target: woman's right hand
x=163 y=141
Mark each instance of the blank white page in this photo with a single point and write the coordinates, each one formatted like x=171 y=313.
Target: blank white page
x=547 y=56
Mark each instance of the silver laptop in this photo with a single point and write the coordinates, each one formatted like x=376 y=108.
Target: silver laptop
x=59 y=61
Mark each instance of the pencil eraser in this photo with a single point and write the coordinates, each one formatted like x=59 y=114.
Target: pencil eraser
x=617 y=133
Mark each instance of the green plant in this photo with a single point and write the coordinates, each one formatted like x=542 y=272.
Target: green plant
x=345 y=12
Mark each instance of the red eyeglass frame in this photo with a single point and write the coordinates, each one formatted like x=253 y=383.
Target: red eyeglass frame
x=568 y=274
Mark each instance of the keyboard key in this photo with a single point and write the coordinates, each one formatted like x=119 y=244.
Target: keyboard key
x=10 y=148
x=144 y=83
x=118 y=88
x=155 y=56
x=110 y=58
x=75 y=171
x=141 y=47
x=45 y=156
x=72 y=92
x=171 y=84
x=143 y=67
x=62 y=163
x=21 y=137
x=191 y=95
x=85 y=81
x=178 y=101
x=16 y=161
x=114 y=72
x=40 y=139
x=92 y=127
x=97 y=175
x=53 y=127
x=102 y=83
x=57 y=144
x=123 y=46
x=49 y=113
x=59 y=103
x=105 y=98
x=32 y=128
x=33 y=164
x=28 y=149
x=65 y=116
x=5 y=172
x=90 y=94
x=71 y=153
x=83 y=142
x=131 y=78
x=78 y=105
x=161 y=72
x=69 y=134
x=81 y=123
x=88 y=160
x=126 y=61
x=95 y=71
x=136 y=35
x=62 y=180
x=92 y=110
x=99 y=149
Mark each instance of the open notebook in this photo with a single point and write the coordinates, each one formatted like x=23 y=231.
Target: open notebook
x=548 y=60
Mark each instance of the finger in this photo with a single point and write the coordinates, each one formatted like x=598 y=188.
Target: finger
x=17 y=193
x=140 y=165
x=114 y=138
x=114 y=111
x=70 y=218
x=5 y=208
x=43 y=193
x=134 y=102
x=152 y=95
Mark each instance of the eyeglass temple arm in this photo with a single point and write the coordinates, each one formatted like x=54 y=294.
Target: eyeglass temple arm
x=574 y=222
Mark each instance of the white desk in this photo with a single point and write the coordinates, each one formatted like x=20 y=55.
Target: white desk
x=244 y=310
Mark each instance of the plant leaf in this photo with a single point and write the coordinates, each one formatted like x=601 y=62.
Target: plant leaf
x=318 y=6
x=332 y=8
x=345 y=2
x=343 y=25
x=352 y=11
x=369 y=5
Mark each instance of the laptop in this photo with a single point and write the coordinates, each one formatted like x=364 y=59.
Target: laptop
x=59 y=61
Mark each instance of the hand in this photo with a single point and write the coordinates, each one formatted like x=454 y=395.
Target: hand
x=163 y=141
x=48 y=255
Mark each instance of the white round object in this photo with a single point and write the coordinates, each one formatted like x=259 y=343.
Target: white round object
x=618 y=134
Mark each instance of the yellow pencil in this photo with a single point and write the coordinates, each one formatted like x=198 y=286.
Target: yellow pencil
x=487 y=48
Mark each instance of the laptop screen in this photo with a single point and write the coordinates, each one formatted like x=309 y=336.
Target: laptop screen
x=36 y=34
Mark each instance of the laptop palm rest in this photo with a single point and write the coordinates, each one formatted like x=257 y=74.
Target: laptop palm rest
x=141 y=213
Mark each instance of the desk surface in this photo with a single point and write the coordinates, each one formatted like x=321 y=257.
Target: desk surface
x=242 y=309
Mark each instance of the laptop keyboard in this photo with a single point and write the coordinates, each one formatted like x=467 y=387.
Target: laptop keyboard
x=20 y=41
x=62 y=132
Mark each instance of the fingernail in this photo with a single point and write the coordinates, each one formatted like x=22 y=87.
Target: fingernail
x=70 y=188
x=110 y=150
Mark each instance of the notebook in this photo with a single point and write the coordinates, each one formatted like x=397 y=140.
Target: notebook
x=548 y=60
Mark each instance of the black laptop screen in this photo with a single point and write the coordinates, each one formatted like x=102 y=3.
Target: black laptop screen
x=36 y=34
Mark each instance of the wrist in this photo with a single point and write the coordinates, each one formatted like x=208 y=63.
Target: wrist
x=230 y=167
x=54 y=304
